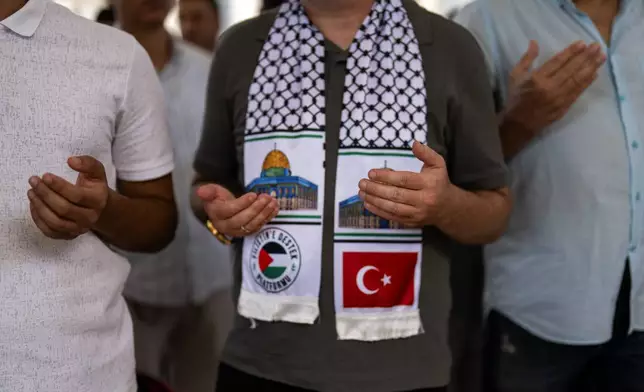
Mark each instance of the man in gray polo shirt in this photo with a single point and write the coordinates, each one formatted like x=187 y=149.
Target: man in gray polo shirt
x=347 y=286
x=180 y=297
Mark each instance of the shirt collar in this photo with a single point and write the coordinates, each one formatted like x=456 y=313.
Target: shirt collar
x=570 y=3
x=26 y=20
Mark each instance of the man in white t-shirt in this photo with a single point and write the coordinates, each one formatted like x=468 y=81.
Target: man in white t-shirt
x=85 y=161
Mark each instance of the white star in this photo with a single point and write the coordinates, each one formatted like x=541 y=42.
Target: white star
x=386 y=279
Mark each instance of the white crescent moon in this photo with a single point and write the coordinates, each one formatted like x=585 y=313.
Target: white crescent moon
x=360 y=280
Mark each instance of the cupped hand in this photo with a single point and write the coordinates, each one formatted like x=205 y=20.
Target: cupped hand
x=237 y=217
x=63 y=210
x=412 y=199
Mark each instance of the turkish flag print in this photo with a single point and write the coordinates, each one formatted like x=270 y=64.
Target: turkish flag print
x=378 y=280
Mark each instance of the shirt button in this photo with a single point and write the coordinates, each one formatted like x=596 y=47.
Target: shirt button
x=622 y=98
x=635 y=145
x=632 y=248
x=638 y=196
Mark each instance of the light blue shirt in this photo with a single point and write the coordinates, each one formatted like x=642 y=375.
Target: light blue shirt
x=579 y=186
x=195 y=265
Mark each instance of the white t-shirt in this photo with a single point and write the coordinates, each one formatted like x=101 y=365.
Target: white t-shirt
x=195 y=265
x=69 y=86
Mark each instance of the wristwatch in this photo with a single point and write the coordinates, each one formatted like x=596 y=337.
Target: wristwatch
x=224 y=239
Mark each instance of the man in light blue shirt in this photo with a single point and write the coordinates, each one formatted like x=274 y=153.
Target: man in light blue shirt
x=564 y=284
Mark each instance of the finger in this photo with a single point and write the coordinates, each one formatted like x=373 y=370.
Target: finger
x=244 y=217
x=42 y=226
x=428 y=156
x=586 y=62
x=560 y=59
x=388 y=192
x=384 y=214
x=585 y=76
x=88 y=166
x=273 y=216
x=401 y=179
x=210 y=192
x=220 y=210
x=572 y=92
x=525 y=63
x=62 y=207
x=569 y=99
x=50 y=219
x=399 y=210
x=262 y=218
x=66 y=189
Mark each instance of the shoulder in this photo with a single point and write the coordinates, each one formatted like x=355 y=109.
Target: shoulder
x=449 y=42
x=242 y=35
x=194 y=57
x=87 y=34
x=436 y=29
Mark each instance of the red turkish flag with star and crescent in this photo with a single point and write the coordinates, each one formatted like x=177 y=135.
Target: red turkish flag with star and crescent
x=378 y=280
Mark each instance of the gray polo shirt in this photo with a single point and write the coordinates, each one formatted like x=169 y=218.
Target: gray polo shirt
x=462 y=127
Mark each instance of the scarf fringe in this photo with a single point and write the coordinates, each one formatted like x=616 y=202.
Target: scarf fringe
x=380 y=326
x=300 y=310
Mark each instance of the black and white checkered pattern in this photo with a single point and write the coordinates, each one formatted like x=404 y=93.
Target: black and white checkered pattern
x=385 y=99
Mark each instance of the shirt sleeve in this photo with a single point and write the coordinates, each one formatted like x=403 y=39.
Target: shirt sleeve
x=142 y=148
x=476 y=159
x=476 y=20
x=216 y=157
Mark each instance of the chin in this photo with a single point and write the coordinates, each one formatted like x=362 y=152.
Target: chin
x=155 y=18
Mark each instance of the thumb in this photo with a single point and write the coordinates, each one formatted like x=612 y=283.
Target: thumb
x=428 y=156
x=89 y=166
x=525 y=64
x=211 y=192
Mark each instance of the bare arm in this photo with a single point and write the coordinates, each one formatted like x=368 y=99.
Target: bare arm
x=475 y=217
x=429 y=198
x=140 y=217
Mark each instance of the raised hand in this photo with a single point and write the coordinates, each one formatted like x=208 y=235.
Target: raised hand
x=63 y=210
x=412 y=199
x=538 y=98
x=237 y=217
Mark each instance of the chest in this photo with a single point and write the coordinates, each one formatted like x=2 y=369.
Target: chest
x=440 y=93
x=555 y=28
x=55 y=103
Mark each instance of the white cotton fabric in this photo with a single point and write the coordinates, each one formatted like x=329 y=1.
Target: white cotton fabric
x=69 y=87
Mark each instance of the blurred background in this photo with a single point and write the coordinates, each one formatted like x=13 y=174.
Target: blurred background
x=234 y=11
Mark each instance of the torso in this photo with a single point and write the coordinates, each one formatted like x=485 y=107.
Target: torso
x=311 y=356
x=61 y=311
x=576 y=218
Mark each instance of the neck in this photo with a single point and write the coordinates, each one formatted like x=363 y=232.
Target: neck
x=157 y=42
x=339 y=20
x=10 y=7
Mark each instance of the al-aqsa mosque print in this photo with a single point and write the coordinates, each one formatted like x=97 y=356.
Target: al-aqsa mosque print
x=354 y=215
x=277 y=180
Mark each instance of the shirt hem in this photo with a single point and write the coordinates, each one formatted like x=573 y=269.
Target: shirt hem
x=551 y=339
x=343 y=385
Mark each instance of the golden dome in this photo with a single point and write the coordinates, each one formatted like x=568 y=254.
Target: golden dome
x=276 y=160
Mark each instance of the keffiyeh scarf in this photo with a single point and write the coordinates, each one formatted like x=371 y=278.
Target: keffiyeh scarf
x=377 y=263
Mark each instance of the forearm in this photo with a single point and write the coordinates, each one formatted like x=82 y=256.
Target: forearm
x=137 y=224
x=475 y=218
x=514 y=137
